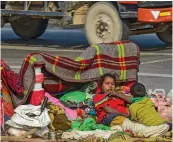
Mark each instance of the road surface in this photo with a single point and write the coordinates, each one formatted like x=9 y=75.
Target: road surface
x=156 y=57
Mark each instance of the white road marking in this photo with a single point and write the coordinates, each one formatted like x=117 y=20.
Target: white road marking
x=157 y=53
x=155 y=75
x=140 y=73
x=156 y=61
x=40 y=48
x=33 y=48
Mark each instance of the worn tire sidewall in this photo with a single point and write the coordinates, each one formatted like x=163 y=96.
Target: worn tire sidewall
x=32 y=31
x=103 y=8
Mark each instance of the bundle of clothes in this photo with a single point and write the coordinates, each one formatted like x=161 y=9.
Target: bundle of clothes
x=96 y=109
x=93 y=98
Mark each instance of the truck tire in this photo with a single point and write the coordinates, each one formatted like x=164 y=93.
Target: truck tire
x=29 y=28
x=104 y=25
x=166 y=36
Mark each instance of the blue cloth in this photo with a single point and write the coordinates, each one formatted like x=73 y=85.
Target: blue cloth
x=108 y=119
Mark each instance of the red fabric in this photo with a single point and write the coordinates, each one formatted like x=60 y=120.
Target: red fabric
x=129 y=84
x=12 y=79
x=100 y=100
x=98 y=90
x=5 y=103
x=80 y=112
x=8 y=109
x=37 y=97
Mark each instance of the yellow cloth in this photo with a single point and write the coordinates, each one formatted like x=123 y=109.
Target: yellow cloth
x=117 y=121
x=144 y=112
x=58 y=119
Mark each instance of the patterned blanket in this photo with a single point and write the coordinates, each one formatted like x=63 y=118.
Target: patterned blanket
x=120 y=58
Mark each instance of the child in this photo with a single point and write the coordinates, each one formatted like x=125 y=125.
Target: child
x=109 y=109
x=142 y=108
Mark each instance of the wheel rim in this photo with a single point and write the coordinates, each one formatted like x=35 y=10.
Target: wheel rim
x=103 y=26
x=24 y=22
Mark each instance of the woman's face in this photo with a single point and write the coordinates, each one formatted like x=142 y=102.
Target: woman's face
x=108 y=84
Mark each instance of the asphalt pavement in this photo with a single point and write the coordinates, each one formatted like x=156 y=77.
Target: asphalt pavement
x=156 y=57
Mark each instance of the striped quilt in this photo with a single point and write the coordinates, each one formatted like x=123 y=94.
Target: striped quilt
x=120 y=58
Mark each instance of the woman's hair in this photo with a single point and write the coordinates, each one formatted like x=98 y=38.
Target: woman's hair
x=138 y=90
x=107 y=75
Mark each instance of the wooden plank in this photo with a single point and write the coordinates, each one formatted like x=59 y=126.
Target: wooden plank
x=18 y=139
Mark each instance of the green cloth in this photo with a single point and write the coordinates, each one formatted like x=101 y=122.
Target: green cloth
x=88 y=124
x=145 y=113
x=89 y=88
x=74 y=96
x=137 y=99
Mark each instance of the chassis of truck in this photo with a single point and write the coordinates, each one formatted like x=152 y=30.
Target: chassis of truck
x=103 y=21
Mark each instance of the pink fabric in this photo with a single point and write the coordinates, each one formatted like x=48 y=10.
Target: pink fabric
x=71 y=114
x=2 y=112
x=1 y=108
x=164 y=106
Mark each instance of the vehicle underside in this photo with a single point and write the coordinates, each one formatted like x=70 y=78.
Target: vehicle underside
x=126 y=18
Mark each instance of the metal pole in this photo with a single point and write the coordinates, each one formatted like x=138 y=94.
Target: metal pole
x=25 y=5
x=45 y=5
